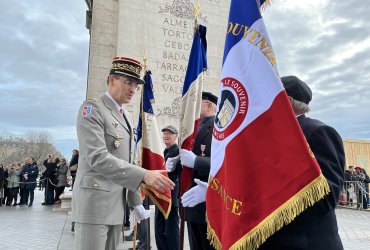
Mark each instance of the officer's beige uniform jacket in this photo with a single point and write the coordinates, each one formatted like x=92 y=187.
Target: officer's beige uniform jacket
x=103 y=169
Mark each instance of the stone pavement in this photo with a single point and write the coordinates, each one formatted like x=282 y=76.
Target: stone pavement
x=41 y=227
x=354 y=228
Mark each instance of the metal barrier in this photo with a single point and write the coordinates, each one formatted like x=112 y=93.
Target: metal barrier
x=354 y=195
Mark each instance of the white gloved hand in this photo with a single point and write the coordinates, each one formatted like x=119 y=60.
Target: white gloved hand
x=187 y=158
x=138 y=214
x=195 y=195
x=171 y=163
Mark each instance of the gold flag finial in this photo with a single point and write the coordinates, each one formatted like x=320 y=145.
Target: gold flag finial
x=197 y=9
x=145 y=58
x=265 y=5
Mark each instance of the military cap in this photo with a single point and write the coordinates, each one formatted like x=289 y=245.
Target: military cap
x=170 y=128
x=127 y=67
x=209 y=96
x=297 y=89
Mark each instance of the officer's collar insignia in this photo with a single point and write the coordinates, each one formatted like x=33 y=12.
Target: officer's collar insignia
x=115 y=124
x=86 y=110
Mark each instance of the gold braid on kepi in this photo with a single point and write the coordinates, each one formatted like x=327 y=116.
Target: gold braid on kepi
x=127 y=67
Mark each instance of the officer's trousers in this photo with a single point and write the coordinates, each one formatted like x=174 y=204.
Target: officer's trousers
x=96 y=237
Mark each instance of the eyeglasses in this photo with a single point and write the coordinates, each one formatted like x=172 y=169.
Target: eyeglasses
x=130 y=83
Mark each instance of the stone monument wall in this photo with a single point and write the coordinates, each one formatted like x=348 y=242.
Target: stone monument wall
x=163 y=31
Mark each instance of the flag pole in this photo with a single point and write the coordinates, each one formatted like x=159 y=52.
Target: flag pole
x=135 y=236
x=197 y=9
x=147 y=223
x=141 y=152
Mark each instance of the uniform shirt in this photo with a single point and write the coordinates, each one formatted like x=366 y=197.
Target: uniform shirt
x=119 y=107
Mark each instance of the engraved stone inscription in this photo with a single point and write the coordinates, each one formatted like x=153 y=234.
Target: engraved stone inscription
x=163 y=31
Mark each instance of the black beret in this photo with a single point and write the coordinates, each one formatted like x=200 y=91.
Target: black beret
x=170 y=128
x=297 y=89
x=209 y=96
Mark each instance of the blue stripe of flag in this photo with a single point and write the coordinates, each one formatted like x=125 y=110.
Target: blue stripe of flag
x=197 y=59
x=147 y=98
x=243 y=12
x=148 y=93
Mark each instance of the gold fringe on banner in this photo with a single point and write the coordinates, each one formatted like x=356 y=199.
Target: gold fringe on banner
x=150 y=191
x=286 y=213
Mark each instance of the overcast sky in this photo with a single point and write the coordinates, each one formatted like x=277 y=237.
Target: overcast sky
x=44 y=53
x=43 y=58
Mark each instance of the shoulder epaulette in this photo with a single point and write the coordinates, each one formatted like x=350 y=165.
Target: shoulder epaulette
x=90 y=100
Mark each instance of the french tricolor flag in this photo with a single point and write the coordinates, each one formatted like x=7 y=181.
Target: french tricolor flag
x=149 y=148
x=263 y=173
x=192 y=99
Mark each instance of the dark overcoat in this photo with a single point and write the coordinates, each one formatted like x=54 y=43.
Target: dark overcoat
x=171 y=152
x=32 y=173
x=201 y=167
x=316 y=228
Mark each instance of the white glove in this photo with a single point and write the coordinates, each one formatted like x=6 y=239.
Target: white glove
x=187 y=158
x=195 y=195
x=171 y=163
x=138 y=214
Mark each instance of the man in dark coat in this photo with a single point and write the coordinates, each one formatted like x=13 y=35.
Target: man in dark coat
x=167 y=231
x=2 y=179
x=199 y=160
x=348 y=177
x=315 y=228
x=30 y=173
x=22 y=186
x=73 y=166
x=50 y=175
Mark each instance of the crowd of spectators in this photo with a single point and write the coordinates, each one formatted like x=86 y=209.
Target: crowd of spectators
x=19 y=180
x=357 y=180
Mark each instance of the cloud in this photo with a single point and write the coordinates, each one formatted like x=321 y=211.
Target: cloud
x=65 y=147
x=327 y=44
x=43 y=57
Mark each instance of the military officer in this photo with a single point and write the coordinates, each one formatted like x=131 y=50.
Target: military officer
x=105 y=167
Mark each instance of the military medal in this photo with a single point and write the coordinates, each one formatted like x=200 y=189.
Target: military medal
x=117 y=143
x=202 y=148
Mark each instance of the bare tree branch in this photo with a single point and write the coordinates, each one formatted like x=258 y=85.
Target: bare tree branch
x=33 y=144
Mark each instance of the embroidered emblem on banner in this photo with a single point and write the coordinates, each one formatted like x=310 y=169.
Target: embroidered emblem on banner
x=86 y=110
x=232 y=108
